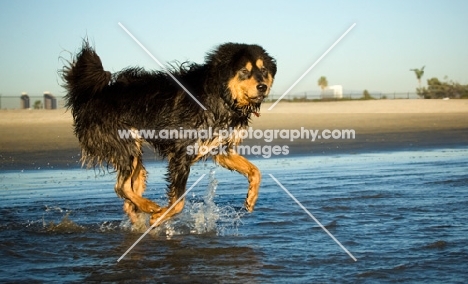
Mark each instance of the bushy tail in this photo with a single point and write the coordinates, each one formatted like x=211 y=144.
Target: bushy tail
x=84 y=78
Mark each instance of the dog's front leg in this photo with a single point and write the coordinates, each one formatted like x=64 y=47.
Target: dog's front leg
x=235 y=162
x=177 y=175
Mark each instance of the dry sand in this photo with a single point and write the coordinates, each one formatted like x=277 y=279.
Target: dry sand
x=44 y=138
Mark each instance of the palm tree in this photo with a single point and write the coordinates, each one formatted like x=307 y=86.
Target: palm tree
x=322 y=82
x=419 y=73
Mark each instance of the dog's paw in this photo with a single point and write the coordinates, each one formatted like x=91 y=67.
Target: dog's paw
x=249 y=207
x=149 y=207
x=159 y=217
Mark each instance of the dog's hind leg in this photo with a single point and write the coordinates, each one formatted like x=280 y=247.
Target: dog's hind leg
x=139 y=177
x=138 y=184
x=178 y=173
x=131 y=185
x=240 y=164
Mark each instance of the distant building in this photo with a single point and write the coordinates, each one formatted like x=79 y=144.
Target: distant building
x=333 y=92
x=24 y=101
x=50 y=102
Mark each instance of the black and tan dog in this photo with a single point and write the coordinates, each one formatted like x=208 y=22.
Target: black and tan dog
x=231 y=84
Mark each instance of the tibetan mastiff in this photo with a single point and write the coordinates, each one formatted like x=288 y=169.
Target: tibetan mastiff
x=223 y=93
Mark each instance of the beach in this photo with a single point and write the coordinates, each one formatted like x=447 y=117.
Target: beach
x=44 y=138
x=394 y=197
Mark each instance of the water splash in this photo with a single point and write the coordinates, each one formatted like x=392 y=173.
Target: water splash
x=66 y=225
x=108 y=226
x=204 y=216
x=53 y=209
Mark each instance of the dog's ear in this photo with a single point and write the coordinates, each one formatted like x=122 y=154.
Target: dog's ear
x=270 y=64
x=222 y=60
x=224 y=55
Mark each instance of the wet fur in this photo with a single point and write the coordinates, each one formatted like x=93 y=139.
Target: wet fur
x=230 y=84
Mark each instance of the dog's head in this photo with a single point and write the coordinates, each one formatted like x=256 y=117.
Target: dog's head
x=247 y=70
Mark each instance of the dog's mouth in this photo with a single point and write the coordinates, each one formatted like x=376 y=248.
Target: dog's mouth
x=255 y=100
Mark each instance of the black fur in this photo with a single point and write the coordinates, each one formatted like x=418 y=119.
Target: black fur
x=102 y=103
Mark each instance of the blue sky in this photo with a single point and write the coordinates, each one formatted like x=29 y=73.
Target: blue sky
x=390 y=38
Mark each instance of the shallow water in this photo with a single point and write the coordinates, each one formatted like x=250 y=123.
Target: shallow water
x=403 y=215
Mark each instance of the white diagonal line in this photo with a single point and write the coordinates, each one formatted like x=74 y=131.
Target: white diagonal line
x=162 y=66
x=312 y=216
x=160 y=218
x=313 y=65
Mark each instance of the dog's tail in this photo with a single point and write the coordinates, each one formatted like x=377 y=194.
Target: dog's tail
x=85 y=77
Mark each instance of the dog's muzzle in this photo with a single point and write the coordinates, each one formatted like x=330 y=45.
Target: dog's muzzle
x=258 y=99
x=261 y=88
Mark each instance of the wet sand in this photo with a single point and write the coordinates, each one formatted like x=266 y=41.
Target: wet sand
x=31 y=139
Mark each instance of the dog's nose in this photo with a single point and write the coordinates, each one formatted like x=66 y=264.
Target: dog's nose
x=262 y=88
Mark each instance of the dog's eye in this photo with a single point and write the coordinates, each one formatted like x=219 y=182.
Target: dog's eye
x=245 y=71
x=264 y=71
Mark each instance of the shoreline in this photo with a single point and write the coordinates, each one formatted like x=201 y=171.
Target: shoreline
x=34 y=139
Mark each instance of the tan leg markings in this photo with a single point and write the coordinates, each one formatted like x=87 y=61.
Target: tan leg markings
x=139 y=178
x=175 y=210
x=242 y=165
x=138 y=187
x=132 y=188
x=131 y=211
